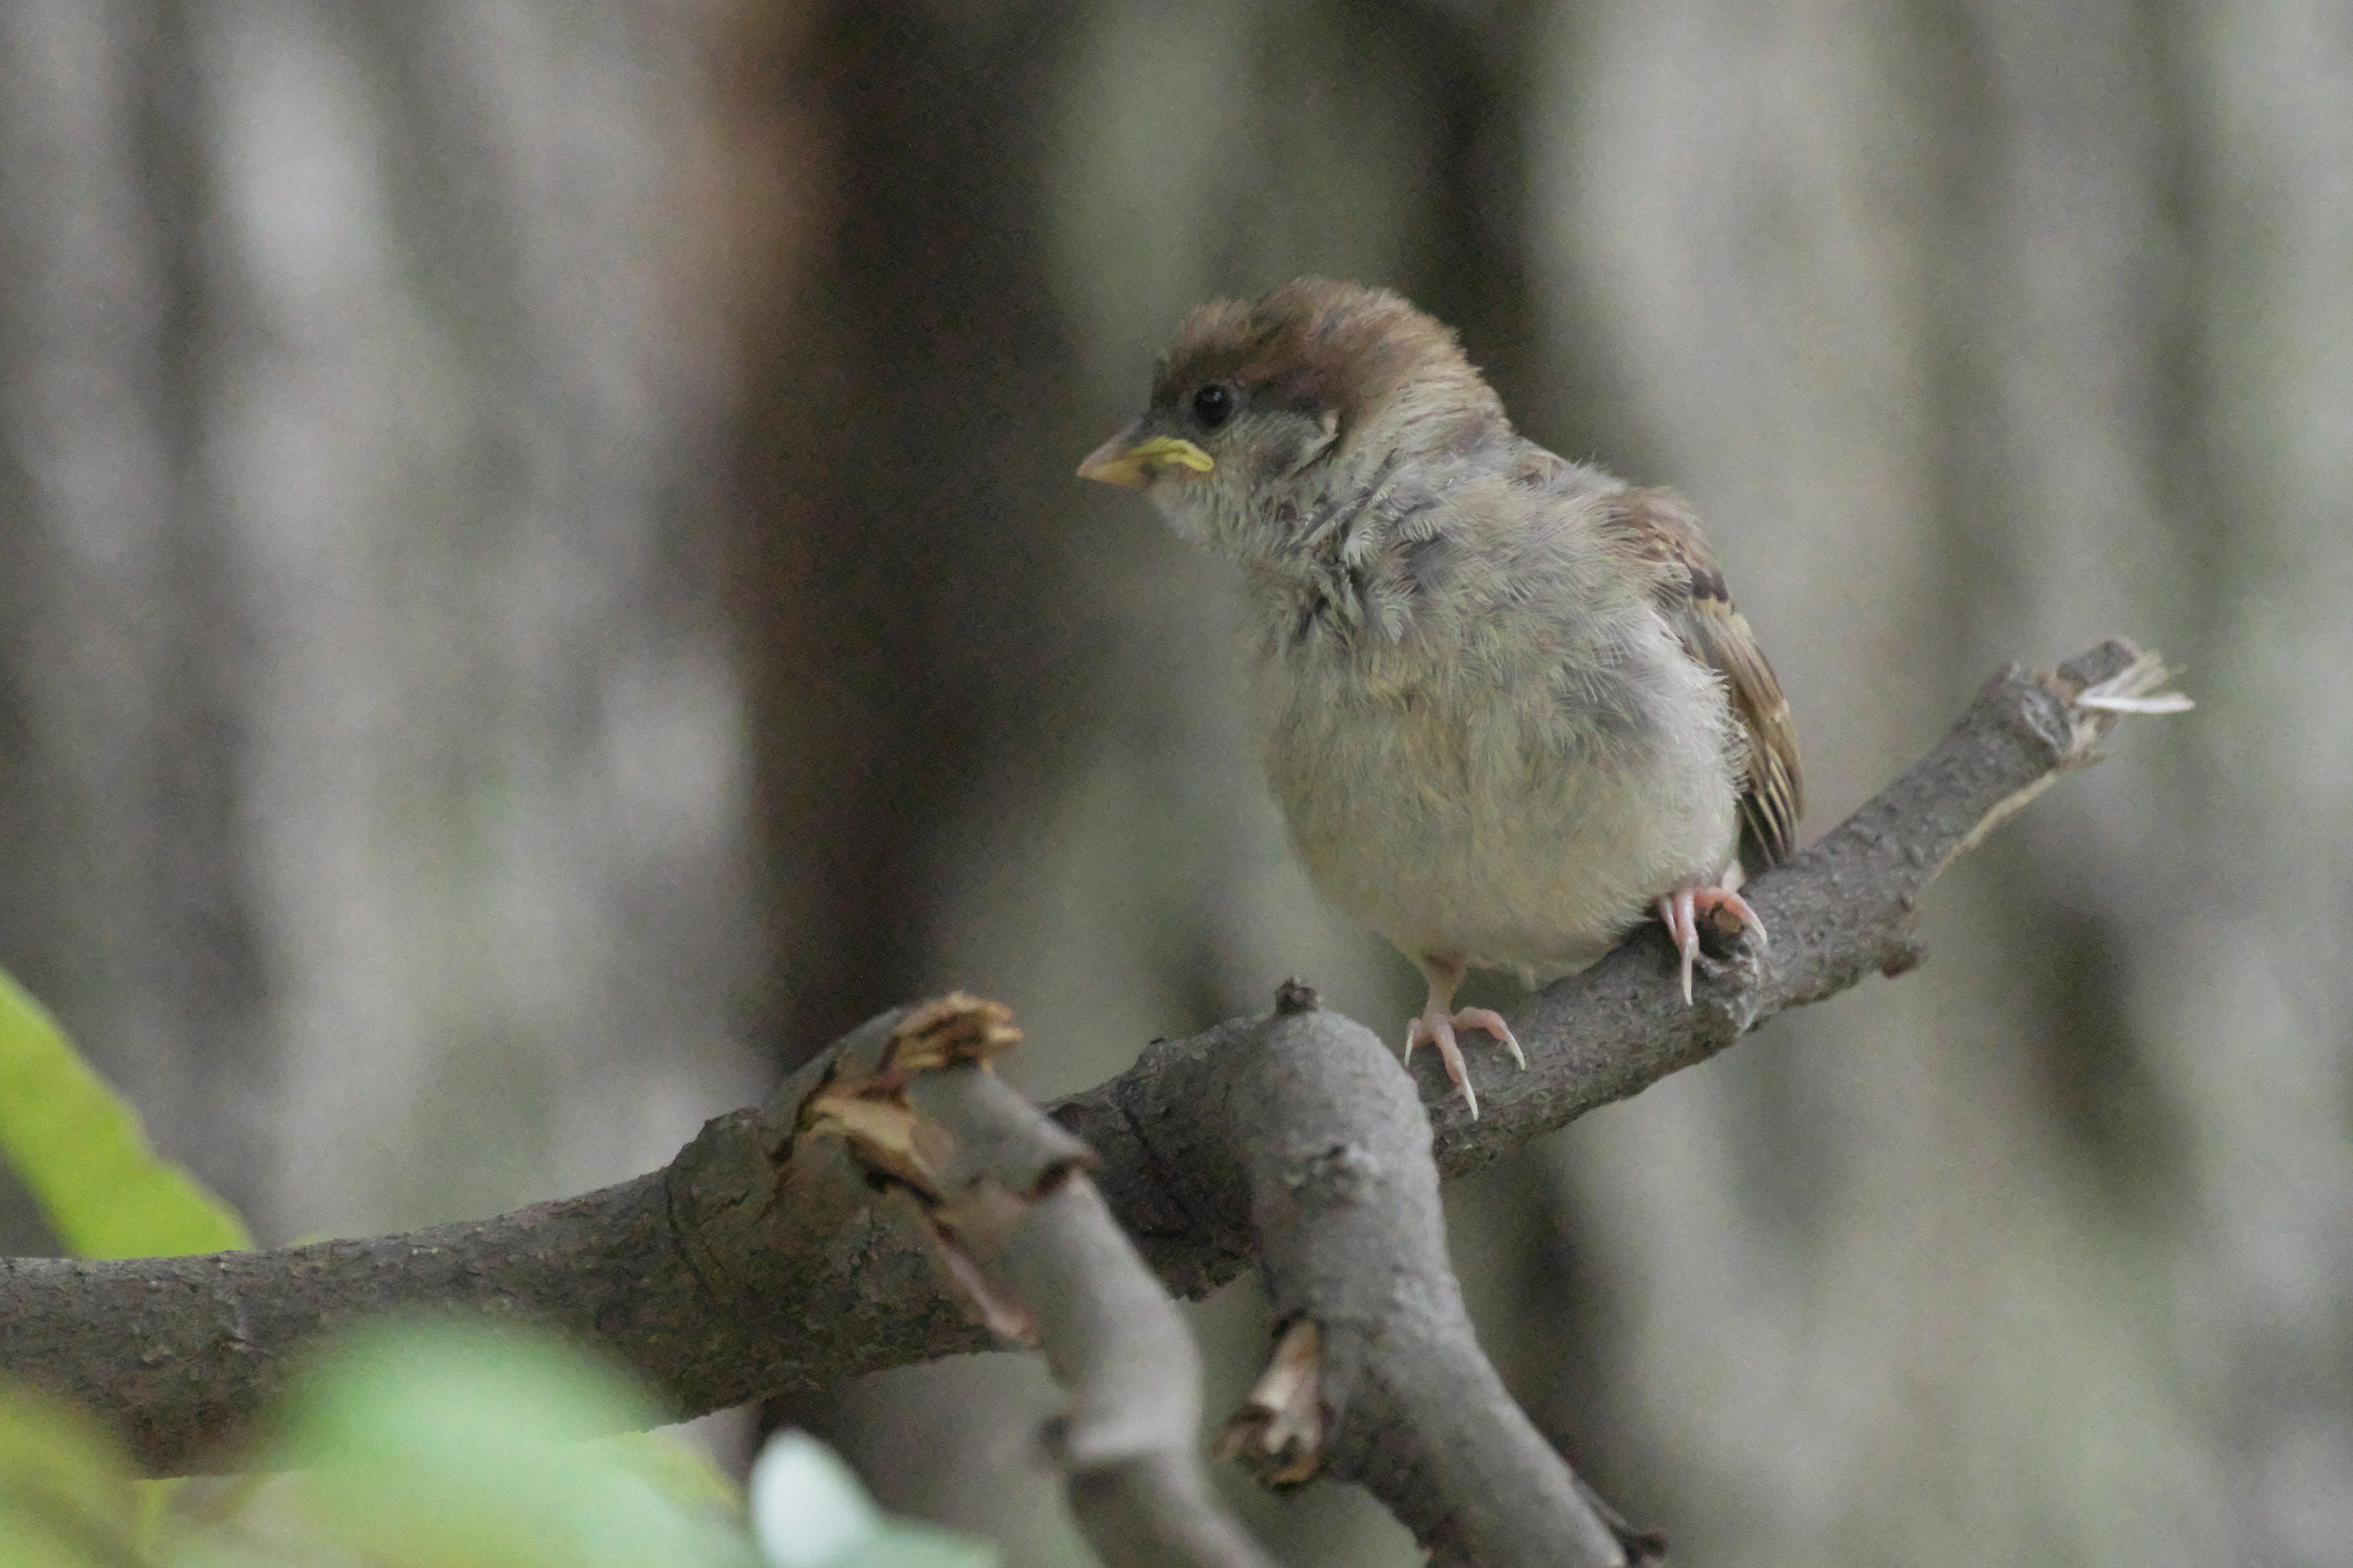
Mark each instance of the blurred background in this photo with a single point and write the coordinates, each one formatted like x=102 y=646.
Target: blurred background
x=539 y=580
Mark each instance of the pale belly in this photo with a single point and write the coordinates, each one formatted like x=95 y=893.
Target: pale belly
x=1505 y=839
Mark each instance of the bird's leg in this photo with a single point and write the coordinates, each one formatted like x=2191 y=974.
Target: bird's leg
x=1437 y=1025
x=1683 y=910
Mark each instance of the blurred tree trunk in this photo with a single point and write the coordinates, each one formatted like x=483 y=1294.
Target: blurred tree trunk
x=372 y=767
x=913 y=641
x=121 y=636
x=1948 y=323
x=913 y=632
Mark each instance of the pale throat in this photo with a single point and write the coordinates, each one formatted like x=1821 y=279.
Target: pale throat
x=1313 y=552
x=1314 y=543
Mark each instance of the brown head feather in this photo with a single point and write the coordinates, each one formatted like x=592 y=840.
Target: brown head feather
x=1316 y=345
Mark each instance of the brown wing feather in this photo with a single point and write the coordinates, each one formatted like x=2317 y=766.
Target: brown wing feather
x=1659 y=526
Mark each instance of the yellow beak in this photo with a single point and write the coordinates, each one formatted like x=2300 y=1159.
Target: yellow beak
x=1125 y=461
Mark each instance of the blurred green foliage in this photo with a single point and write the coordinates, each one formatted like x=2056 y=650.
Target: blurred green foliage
x=419 y=1444
x=441 y=1444
x=84 y=1154
x=66 y=1493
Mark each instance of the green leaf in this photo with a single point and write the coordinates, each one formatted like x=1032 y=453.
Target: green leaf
x=809 y=1511
x=84 y=1154
x=808 y=1508
x=676 y=1468
x=65 y=1489
x=445 y=1445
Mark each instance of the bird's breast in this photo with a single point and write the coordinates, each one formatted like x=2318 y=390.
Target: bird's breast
x=1492 y=814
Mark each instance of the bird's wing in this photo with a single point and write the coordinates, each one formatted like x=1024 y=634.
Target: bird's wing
x=1658 y=527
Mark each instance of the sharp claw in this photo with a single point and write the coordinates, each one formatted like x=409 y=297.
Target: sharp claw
x=1487 y=1018
x=1677 y=912
x=1439 y=1030
x=1460 y=1071
x=1748 y=920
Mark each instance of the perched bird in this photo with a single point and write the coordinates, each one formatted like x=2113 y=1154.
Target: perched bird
x=1504 y=701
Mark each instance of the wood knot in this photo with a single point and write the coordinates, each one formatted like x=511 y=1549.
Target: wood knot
x=1338 y=1173
x=1295 y=996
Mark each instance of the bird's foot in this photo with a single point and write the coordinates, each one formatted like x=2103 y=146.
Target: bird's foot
x=1437 y=1027
x=1685 y=910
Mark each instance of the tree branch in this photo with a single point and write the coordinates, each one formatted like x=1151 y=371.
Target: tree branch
x=1005 y=1195
x=1377 y=1375
x=756 y=1262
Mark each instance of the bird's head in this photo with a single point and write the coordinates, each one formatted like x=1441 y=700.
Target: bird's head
x=1264 y=408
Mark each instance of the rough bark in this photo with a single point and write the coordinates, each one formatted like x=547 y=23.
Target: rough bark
x=1378 y=1376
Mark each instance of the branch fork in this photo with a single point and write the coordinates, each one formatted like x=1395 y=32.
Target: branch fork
x=1002 y=1193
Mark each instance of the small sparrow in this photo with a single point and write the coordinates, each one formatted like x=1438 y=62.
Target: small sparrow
x=1505 y=700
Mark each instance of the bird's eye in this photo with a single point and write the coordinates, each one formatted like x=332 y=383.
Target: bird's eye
x=1213 y=404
